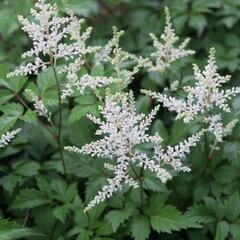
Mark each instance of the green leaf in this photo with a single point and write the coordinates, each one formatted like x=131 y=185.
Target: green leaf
x=155 y=202
x=158 y=127
x=15 y=84
x=179 y=131
x=30 y=116
x=222 y=230
x=142 y=104
x=232 y=207
x=140 y=227
x=198 y=22
x=44 y=185
x=9 y=182
x=232 y=152
x=43 y=218
x=104 y=230
x=5 y=95
x=8 y=25
x=11 y=112
x=79 y=111
x=12 y=109
x=12 y=230
x=83 y=7
x=216 y=207
x=97 y=70
x=234 y=229
x=61 y=212
x=84 y=234
x=200 y=213
x=96 y=212
x=45 y=80
x=154 y=184
x=226 y=174
x=29 y=198
x=28 y=169
x=117 y=217
x=169 y=219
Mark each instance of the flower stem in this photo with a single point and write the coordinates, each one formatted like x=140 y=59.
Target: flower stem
x=19 y=98
x=140 y=178
x=59 y=135
x=141 y=184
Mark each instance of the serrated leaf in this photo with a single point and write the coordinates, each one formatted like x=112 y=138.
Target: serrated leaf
x=169 y=219
x=232 y=152
x=216 y=207
x=155 y=202
x=222 y=230
x=232 y=207
x=140 y=227
x=79 y=111
x=117 y=217
x=179 y=130
x=234 y=229
x=226 y=174
x=61 y=212
x=97 y=70
x=45 y=80
x=9 y=182
x=28 y=169
x=158 y=127
x=97 y=211
x=84 y=234
x=200 y=213
x=12 y=109
x=154 y=184
x=15 y=84
x=12 y=230
x=104 y=230
x=44 y=185
x=29 y=198
x=5 y=95
x=30 y=116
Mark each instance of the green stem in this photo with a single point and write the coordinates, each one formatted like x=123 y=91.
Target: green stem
x=59 y=139
x=141 y=184
x=140 y=178
x=209 y=157
x=38 y=119
x=53 y=229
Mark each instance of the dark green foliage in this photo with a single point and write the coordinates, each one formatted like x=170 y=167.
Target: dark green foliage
x=201 y=205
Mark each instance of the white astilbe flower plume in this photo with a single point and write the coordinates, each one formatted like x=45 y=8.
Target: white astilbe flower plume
x=122 y=130
x=7 y=137
x=48 y=33
x=166 y=49
x=205 y=96
x=39 y=105
x=113 y=53
x=86 y=81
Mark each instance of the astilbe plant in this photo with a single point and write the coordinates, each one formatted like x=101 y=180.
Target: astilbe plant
x=125 y=146
x=7 y=137
x=203 y=98
x=123 y=129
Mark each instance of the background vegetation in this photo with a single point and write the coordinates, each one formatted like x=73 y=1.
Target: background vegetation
x=34 y=192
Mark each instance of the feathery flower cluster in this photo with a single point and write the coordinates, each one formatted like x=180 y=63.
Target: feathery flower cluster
x=48 y=32
x=205 y=96
x=113 y=53
x=83 y=82
x=166 y=52
x=39 y=105
x=7 y=137
x=122 y=130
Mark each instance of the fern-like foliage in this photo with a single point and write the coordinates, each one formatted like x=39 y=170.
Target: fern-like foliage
x=10 y=230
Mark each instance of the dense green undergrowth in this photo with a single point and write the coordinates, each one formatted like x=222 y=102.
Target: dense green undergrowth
x=40 y=200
